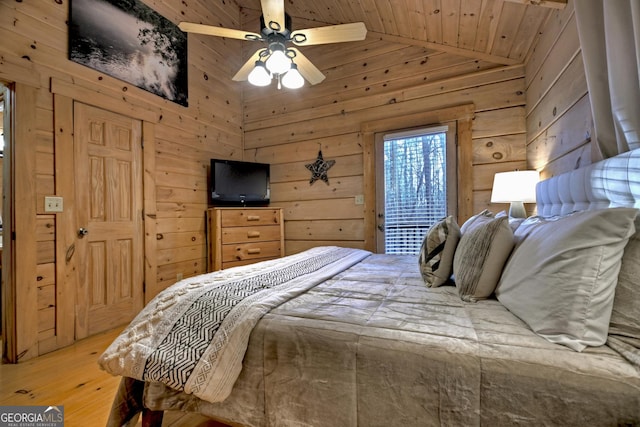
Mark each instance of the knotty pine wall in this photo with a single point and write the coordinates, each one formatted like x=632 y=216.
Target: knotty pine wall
x=367 y=81
x=535 y=115
x=559 y=119
x=33 y=57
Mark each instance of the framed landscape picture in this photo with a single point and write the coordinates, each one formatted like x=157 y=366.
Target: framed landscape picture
x=130 y=41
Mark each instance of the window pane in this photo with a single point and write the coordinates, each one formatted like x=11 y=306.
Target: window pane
x=415 y=189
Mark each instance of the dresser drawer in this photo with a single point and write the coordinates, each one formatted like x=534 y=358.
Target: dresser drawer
x=259 y=233
x=239 y=236
x=251 y=251
x=248 y=217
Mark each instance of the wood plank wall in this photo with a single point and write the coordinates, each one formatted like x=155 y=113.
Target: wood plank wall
x=559 y=119
x=367 y=81
x=33 y=52
x=536 y=116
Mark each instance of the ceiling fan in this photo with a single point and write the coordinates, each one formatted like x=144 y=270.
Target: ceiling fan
x=279 y=60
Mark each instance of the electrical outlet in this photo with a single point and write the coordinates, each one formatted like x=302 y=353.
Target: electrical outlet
x=360 y=199
x=179 y=276
x=52 y=204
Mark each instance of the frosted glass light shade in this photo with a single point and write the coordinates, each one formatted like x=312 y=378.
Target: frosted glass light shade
x=515 y=187
x=293 y=79
x=259 y=76
x=278 y=63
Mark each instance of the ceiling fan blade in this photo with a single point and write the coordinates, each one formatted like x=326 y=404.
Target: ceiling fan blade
x=210 y=30
x=243 y=72
x=273 y=13
x=330 y=34
x=306 y=68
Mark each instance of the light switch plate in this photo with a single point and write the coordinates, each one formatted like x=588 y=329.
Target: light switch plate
x=52 y=204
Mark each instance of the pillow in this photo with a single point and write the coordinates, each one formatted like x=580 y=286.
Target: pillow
x=436 y=253
x=624 y=328
x=562 y=275
x=514 y=223
x=476 y=219
x=484 y=247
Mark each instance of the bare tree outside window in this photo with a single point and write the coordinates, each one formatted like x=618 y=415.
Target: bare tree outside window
x=415 y=188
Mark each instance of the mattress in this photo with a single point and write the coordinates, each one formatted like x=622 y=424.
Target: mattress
x=372 y=346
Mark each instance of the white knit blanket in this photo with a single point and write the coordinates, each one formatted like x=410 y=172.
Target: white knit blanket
x=192 y=336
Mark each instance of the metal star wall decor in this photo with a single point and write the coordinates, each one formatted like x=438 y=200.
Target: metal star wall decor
x=319 y=169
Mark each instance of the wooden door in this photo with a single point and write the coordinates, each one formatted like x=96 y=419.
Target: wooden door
x=108 y=181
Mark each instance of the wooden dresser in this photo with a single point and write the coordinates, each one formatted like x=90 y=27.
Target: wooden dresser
x=239 y=236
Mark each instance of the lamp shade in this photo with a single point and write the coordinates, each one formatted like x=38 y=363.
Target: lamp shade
x=293 y=79
x=259 y=76
x=278 y=63
x=515 y=186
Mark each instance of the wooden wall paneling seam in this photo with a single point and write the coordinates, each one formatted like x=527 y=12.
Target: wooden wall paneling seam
x=25 y=223
x=462 y=114
x=169 y=113
x=469 y=20
x=41 y=33
x=573 y=130
x=510 y=20
x=346 y=123
x=341 y=145
x=552 y=33
x=364 y=91
x=497 y=59
x=102 y=100
x=556 y=63
x=558 y=121
x=455 y=85
x=568 y=89
x=66 y=221
x=554 y=4
x=149 y=211
x=298 y=210
x=19 y=70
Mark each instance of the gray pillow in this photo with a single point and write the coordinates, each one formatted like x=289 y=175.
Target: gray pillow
x=437 y=251
x=484 y=247
x=562 y=275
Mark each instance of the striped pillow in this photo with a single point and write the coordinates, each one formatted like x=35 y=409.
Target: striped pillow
x=437 y=251
x=482 y=252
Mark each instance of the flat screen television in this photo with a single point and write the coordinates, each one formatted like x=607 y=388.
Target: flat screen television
x=238 y=183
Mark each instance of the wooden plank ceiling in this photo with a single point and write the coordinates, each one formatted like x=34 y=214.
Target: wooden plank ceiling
x=499 y=31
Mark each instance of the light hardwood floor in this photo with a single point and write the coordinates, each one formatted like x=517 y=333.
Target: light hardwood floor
x=70 y=377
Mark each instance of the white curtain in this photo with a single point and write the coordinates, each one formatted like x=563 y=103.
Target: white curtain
x=609 y=33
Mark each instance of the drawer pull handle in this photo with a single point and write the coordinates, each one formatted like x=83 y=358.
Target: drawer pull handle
x=253 y=251
x=253 y=234
x=253 y=217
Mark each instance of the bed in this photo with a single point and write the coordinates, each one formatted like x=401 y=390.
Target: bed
x=342 y=337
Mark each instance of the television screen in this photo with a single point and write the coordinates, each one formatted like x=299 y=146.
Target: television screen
x=237 y=183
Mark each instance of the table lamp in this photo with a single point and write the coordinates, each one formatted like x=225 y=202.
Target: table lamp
x=517 y=188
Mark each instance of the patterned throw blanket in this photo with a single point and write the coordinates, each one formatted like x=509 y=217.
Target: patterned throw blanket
x=192 y=336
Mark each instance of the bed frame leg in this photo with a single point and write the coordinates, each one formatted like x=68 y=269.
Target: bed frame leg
x=152 y=418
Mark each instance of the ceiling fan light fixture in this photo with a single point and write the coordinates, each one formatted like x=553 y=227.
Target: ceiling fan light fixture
x=259 y=76
x=278 y=62
x=275 y=59
x=293 y=79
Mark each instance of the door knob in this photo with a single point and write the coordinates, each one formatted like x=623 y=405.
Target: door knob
x=82 y=232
